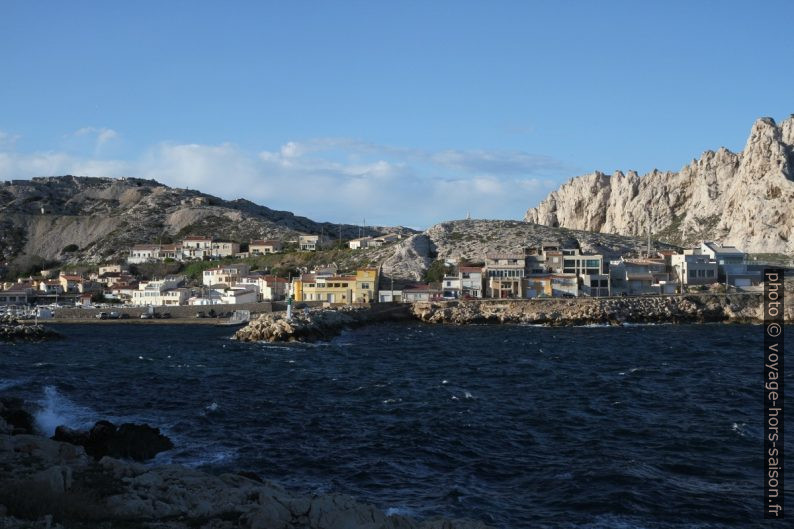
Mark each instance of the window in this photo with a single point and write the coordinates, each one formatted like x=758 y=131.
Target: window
x=591 y=263
x=366 y=285
x=692 y=273
x=709 y=273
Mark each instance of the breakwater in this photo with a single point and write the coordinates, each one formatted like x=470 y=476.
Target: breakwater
x=736 y=308
x=12 y=329
x=318 y=324
x=703 y=308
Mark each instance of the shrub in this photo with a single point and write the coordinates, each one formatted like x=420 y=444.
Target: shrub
x=70 y=248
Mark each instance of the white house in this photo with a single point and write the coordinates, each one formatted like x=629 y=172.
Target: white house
x=227 y=275
x=360 y=243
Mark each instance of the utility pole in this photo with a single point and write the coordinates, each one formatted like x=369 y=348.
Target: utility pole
x=649 y=236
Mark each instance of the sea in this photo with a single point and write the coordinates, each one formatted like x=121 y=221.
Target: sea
x=656 y=426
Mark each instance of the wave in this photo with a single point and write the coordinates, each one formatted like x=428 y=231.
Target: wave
x=8 y=383
x=56 y=410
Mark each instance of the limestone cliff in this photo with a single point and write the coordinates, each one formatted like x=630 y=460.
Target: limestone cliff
x=744 y=199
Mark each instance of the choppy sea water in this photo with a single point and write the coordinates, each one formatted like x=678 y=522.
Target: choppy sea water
x=517 y=426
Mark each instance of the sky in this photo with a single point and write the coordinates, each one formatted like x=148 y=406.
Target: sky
x=387 y=113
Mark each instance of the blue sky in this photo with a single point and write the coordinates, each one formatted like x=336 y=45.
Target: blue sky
x=401 y=113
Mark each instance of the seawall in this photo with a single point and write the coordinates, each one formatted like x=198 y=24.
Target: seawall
x=701 y=308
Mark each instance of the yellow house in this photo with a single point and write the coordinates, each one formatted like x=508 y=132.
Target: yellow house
x=366 y=286
x=346 y=289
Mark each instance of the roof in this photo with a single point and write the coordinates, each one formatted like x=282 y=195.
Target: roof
x=421 y=288
x=260 y=242
x=150 y=247
x=470 y=269
x=723 y=250
x=72 y=277
x=504 y=256
x=639 y=277
x=196 y=238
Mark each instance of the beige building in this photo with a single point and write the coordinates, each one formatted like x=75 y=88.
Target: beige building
x=504 y=274
x=228 y=275
x=261 y=247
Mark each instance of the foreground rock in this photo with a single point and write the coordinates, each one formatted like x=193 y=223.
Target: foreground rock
x=130 y=441
x=15 y=417
x=12 y=329
x=739 y=308
x=317 y=325
x=45 y=480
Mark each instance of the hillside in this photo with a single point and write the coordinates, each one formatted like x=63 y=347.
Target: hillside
x=473 y=239
x=103 y=217
x=744 y=198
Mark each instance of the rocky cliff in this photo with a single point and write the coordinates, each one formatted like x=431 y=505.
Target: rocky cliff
x=744 y=198
x=102 y=217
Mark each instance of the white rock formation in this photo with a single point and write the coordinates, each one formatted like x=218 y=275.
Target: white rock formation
x=744 y=199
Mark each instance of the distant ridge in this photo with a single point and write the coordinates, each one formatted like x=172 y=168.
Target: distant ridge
x=103 y=217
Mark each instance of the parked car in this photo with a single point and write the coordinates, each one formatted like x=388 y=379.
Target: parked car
x=166 y=315
x=125 y=316
x=146 y=316
x=102 y=316
x=200 y=314
x=114 y=315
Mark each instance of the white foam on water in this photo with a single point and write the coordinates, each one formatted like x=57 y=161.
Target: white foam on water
x=57 y=410
x=8 y=383
x=212 y=406
x=400 y=511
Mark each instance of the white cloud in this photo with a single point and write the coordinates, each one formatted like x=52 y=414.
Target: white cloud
x=335 y=179
x=101 y=135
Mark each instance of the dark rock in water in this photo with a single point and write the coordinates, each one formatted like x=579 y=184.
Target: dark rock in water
x=18 y=419
x=65 y=434
x=129 y=441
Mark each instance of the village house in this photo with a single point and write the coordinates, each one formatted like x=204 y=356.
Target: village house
x=20 y=293
x=504 y=275
x=262 y=247
x=311 y=243
x=416 y=293
x=228 y=275
x=470 y=281
x=347 y=289
x=71 y=283
x=221 y=249
x=564 y=285
x=143 y=253
x=51 y=286
x=160 y=292
x=390 y=296
x=538 y=286
x=360 y=243
x=270 y=288
x=196 y=247
x=731 y=264
x=637 y=276
x=450 y=287
x=692 y=268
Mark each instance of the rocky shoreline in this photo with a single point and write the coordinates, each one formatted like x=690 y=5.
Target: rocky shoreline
x=731 y=308
x=317 y=324
x=45 y=483
x=694 y=308
x=12 y=329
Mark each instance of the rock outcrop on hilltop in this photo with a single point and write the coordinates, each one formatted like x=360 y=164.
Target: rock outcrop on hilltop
x=744 y=198
x=102 y=217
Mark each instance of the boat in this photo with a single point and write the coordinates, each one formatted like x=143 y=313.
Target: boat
x=238 y=317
